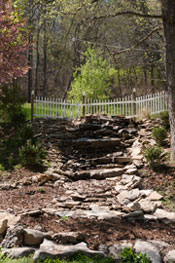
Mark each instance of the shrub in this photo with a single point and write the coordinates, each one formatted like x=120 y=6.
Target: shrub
x=94 y=77
x=31 y=154
x=146 y=114
x=129 y=256
x=153 y=156
x=159 y=134
x=11 y=102
x=25 y=133
x=165 y=119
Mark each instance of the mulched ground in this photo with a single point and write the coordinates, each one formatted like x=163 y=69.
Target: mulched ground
x=163 y=181
x=107 y=232
x=96 y=232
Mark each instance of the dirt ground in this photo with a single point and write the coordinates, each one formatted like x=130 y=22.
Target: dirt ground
x=96 y=232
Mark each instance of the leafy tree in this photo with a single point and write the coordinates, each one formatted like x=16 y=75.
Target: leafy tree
x=94 y=78
x=13 y=44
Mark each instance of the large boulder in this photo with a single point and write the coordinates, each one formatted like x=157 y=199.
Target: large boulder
x=49 y=249
x=13 y=237
x=33 y=237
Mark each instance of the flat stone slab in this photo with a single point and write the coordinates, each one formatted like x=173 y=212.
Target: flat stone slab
x=68 y=237
x=154 y=196
x=49 y=249
x=165 y=216
x=97 y=143
x=128 y=195
x=99 y=173
x=122 y=159
x=151 y=250
x=99 y=213
x=149 y=206
x=106 y=173
x=131 y=171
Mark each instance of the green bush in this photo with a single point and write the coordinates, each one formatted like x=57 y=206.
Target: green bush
x=32 y=154
x=11 y=141
x=153 y=156
x=25 y=133
x=11 y=102
x=165 y=119
x=94 y=77
x=129 y=256
x=159 y=134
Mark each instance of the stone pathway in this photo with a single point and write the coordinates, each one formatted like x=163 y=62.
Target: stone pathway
x=95 y=163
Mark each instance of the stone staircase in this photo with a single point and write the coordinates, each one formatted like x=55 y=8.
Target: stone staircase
x=95 y=147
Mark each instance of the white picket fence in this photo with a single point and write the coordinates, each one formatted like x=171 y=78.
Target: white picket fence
x=127 y=106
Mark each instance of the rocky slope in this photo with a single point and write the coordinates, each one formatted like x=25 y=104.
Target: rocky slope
x=94 y=175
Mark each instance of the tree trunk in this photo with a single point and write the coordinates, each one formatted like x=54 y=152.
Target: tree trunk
x=45 y=61
x=30 y=52
x=152 y=78
x=145 y=75
x=37 y=59
x=168 y=10
x=30 y=71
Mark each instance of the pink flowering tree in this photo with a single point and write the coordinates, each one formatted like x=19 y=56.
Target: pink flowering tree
x=13 y=44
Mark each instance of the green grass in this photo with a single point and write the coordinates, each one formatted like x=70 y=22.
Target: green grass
x=27 y=109
x=21 y=260
x=127 y=255
x=71 y=111
x=55 y=110
x=76 y=259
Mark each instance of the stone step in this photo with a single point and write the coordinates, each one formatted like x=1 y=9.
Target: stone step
x=109 y=160
x=98 y=174
x=97 y=143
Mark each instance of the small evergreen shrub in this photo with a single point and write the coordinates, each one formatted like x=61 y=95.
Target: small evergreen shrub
x=25 y=133
x=129 y=256
x=153 y=156
x=159 y=134
x=16 y=116
x=11 y=102
x=165 y=119
x=32 y=154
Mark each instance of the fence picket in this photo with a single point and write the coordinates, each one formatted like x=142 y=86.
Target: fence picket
x=59 y=108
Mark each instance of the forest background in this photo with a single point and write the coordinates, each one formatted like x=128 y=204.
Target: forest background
x=61 y=32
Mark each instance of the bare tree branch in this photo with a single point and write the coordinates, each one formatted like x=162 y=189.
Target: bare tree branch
x=128 y=13
x=139 y=42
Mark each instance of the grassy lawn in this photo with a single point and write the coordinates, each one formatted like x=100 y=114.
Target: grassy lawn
x=27 y=110
x=75 y=259
x=54 y=110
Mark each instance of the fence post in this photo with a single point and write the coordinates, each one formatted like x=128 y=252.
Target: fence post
x=134 y=103
x=84 y=103
x=32 y=105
